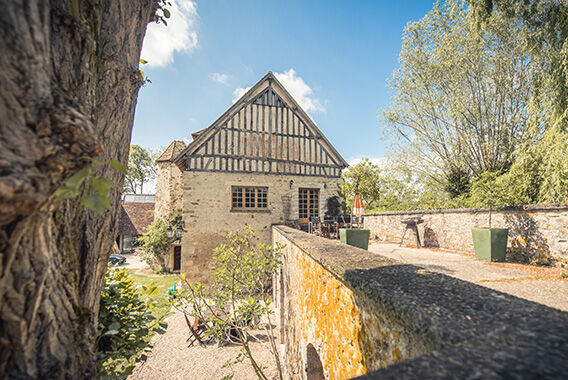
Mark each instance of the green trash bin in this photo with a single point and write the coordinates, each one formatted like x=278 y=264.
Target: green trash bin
x=355 y=237
x=490 y=244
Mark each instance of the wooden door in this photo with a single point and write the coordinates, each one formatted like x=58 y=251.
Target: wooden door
x=177 y=258
x=308 y=204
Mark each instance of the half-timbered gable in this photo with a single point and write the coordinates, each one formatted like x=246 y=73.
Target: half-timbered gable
x=264 y=132
x=264 y=161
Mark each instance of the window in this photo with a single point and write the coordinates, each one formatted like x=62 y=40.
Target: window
x=244 y=197
x=308 y=204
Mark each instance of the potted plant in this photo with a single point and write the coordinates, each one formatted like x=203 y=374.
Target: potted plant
x=490 y=244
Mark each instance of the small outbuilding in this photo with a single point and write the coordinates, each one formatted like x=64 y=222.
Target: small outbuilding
x=136 y=213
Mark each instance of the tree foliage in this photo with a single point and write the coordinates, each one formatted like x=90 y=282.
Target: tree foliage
x=241 y=293
x=461 y=94
x=363 y=178
x=141 y=169
x=481 y=97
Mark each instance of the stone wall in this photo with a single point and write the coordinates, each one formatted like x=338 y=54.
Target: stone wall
x=352 y=312
x=536 y=232
x=169 y=189
x=208 y=216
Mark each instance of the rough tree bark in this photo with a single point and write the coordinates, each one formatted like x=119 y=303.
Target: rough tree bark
x=68 y=85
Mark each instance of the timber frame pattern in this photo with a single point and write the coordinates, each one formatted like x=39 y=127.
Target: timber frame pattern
x=264 y=132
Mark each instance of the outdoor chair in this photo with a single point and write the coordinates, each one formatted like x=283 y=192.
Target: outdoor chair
x=357 y=222
x=197 y=328
x=344 y=221
x=330 y=227
x=315 y=225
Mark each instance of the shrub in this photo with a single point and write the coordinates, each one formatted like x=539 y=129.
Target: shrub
x=125 y=322
x=240 y=293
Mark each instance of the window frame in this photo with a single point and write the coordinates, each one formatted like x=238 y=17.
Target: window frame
x=259 y=204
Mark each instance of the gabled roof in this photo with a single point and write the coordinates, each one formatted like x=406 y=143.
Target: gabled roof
x=134 y=217
x=172 y=151
x=252 y=96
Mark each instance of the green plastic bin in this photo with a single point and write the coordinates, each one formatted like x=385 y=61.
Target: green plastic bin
x=355 y=237
x=490 y=244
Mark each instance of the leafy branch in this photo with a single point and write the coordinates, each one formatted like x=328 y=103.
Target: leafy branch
x=97 y=187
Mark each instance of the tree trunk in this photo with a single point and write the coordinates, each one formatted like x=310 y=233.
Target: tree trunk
x=69 y=80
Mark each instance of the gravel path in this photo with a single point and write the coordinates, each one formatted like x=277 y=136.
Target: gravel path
x=537 y=284
x=171 y=359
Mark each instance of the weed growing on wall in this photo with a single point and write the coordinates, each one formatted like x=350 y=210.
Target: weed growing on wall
x=239 y=298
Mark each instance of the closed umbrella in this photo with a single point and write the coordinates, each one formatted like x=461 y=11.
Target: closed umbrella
x=358 y=208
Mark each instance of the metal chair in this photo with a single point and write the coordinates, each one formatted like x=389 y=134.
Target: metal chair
x=315 y=225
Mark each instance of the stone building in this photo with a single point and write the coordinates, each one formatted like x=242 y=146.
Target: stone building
x=262 y=162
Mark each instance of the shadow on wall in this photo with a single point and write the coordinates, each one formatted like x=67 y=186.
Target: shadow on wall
x=453 y=328
x=430 y=238
x=527 y=244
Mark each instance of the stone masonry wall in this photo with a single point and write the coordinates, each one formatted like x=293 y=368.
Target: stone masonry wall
x=169 y=189
x=364 y=314
x=349 y=333
x=536 y=232
x=208 y=216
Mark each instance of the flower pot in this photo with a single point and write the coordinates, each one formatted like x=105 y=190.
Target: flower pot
x=490 y=244
x=355 y=237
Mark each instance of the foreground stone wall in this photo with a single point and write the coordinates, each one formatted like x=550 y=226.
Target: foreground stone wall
x=537 y=233
x=208 y=216
x=349 y=332
x=345 y=312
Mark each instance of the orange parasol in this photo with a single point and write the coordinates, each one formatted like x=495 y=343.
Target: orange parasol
x=358 y=208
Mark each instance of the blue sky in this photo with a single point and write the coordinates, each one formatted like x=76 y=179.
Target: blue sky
x=336 y=56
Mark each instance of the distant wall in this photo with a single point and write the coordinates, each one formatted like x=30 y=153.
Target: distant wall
x=345 y=312
x=536 y=232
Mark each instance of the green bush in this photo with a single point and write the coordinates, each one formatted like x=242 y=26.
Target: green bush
x=154 y=243
x=125 y=323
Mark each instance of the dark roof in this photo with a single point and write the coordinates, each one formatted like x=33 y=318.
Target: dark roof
x=134 y=217
x=172 y=151
x=201 y=136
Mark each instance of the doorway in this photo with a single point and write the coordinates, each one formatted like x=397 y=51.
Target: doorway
x=308 y=205
x=177 y=258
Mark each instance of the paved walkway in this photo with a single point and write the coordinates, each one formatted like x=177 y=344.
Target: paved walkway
x=537 y=284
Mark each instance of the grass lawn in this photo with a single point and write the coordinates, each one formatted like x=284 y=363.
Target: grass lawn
x=163 y=304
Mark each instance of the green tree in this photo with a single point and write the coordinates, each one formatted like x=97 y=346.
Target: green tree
x=462 y=95
x=541 y=171
x=141 y=169
x=241 y=292
x=363 y=178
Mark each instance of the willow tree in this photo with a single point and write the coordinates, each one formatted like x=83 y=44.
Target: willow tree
x=69 y=81
x=540 y=173
x=461 y=94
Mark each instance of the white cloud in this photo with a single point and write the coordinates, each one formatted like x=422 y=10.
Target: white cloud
x=300 y=91
x=296 y=86
x=162 y=41
x=219 y=78
x=238 y=92
x=381 y=162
